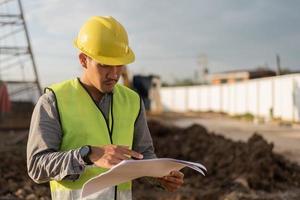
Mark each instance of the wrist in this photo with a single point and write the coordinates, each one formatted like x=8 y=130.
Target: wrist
x=85 y=153
x=96 y=153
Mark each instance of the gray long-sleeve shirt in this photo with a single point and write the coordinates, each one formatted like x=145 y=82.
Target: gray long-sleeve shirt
x=44 y=160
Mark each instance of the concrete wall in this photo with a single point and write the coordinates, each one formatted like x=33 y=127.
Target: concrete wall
x=278 y=96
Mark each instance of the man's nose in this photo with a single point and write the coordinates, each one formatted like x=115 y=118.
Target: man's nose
x=113 y=72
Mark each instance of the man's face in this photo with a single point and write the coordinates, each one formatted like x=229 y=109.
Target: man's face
x=102 y=77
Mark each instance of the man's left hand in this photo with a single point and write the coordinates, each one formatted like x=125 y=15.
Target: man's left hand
x=173 y=181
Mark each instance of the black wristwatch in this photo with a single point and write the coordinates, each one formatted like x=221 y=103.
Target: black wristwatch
x=84 y=152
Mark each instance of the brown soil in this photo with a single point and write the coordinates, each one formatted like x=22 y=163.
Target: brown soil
x=14 y=181
x=236 y=170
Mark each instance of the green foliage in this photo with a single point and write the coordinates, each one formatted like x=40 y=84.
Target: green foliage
x=246 y=116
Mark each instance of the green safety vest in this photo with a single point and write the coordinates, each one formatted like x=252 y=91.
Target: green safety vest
x=83 y=123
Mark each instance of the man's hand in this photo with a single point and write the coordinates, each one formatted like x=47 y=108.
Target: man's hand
x=173 y=181
x=109 y=155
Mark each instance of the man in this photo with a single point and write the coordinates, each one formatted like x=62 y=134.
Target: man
x=82 y=127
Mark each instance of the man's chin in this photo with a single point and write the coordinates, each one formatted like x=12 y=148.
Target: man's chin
x=107 y=89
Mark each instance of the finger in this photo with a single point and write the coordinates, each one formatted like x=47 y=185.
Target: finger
x=177 y=174
x=122 y=150
x=119 y=152
x=173 y=180
x=120 y=156
x=114 y=161
x=123 y=146
x=132 y=153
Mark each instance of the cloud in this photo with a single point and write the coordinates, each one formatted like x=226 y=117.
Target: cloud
x=167 y=35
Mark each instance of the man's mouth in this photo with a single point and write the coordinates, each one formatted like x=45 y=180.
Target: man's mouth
x=110 y=82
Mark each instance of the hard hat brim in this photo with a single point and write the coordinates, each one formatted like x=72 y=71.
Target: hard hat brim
x=127 y=59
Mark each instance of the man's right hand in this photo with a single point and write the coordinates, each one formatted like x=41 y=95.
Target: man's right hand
x=109 y=155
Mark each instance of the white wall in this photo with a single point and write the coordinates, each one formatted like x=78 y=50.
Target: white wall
x=193 y=98
x=258 y=97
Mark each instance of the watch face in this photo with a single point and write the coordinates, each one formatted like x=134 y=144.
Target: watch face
x=84 y=151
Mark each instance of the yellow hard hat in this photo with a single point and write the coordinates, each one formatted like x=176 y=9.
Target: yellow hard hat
x=105 y=40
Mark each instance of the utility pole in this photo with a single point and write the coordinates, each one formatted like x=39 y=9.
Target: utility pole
x=17 y=64
x=278 y=65
x=203 y=68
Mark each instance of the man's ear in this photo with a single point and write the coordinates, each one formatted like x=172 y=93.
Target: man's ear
x=83 y=60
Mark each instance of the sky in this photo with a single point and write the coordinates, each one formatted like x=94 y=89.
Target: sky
x=168 y=37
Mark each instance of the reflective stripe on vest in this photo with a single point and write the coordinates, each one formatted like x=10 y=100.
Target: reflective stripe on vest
x=83 y=123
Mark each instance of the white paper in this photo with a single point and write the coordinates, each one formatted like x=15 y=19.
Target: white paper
x=128 y=170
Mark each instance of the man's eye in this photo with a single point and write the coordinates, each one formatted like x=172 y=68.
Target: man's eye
x=103 y=65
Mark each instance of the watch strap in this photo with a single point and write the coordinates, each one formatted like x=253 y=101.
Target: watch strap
x=86 y=157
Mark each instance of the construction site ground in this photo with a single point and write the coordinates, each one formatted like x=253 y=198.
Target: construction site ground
x=284 y=135
x=237 y=170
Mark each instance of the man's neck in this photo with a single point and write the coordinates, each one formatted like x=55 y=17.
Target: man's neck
x=94 y=92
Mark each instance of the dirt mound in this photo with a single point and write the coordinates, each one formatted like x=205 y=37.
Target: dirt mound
x=236 y=170
x=14 y=181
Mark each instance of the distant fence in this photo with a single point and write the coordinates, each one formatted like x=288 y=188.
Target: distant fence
x=272 y=97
